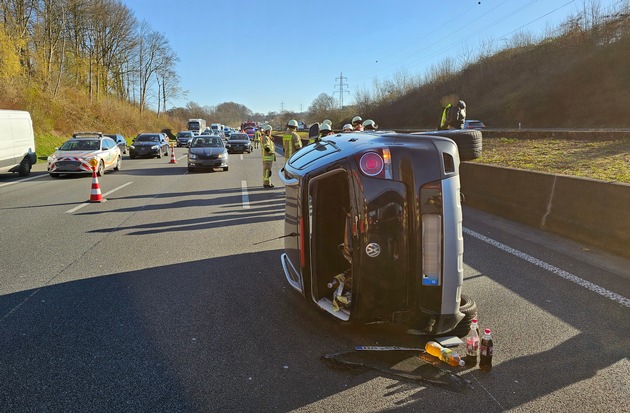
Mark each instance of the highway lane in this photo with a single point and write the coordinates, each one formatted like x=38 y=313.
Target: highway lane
x=158 y=300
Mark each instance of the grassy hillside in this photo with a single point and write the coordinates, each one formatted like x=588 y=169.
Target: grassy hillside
x=55 y=118
x=579 y=79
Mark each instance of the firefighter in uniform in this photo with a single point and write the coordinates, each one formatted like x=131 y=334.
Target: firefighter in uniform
x=357 y=123
x=291 y=141
x=324 y=130
x=369 y=124
x=268 y=156
x=347 y=127
x=256 y=138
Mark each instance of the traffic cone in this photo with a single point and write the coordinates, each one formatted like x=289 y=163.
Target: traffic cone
x=173 y=160
x=95 y=195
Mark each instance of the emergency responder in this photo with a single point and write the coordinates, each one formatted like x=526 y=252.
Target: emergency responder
x=369 y=124
x=268 y=156
x=324 y=130
x=291 y=141
x=357 y=123
x=256 y=138
x=347 y=127
x=328 y=121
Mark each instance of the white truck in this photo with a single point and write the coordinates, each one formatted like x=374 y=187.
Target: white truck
x=196 y=125
x=17 y=142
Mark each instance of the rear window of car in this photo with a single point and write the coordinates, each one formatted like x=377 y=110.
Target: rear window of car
x=238 y=137
x=148 y=138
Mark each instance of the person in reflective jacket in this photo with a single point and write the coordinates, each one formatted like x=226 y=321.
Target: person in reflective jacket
x=268 y=156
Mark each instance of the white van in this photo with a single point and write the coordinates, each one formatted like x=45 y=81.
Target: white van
x=17 y=142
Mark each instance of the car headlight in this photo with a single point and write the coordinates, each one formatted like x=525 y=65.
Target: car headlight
x=155 y=147
x=52 y=158
x=223 y=155
x=192 y=156
x=132 y=147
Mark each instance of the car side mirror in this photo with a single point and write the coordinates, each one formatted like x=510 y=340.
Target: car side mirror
x=313 y=131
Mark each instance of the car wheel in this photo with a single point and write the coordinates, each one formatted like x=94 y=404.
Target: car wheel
x=132 y=156
x=225 y=168
x=25 y=167
x=101 y=169
x=118 y=164
x=469 y=142
x=54 y=175
x=190 y=169
x=159 y=155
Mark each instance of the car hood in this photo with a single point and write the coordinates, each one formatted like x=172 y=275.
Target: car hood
x=207 y=151
x=75 y=154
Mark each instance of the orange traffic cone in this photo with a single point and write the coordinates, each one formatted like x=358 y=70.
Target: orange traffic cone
x=173 y=160
x=95 y=195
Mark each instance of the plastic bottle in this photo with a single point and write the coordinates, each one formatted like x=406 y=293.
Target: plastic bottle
x=486 y=349
x=472 y=344
x=445 y=354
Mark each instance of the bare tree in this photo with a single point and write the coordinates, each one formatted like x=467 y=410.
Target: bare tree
x=322 y=106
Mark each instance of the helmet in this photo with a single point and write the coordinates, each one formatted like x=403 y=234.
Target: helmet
x=369 y=124
x=327 y=121
x=292 y=123
x=325 y=127
x=347 y=127
x=357 y=119
x=267 y=127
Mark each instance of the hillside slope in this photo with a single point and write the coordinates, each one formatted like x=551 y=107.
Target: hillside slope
x=580 y=79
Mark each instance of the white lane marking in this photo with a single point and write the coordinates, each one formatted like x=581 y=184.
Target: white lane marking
x=76 y=208
x=555 y=270
x=182 y=157
x=22 y=180
x=244 y=195
x=241 y=157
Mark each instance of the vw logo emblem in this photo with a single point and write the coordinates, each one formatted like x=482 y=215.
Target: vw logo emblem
x=373 y=249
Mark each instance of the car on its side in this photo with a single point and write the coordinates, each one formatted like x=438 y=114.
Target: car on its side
x=120 y=141
x=207 y=152
x=75 y=154
x=239 y=143
x=373 y=225
x=184 y=137
x=148 y=145
x=473 y=124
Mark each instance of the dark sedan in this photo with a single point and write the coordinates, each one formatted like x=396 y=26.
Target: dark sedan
x=149 y=145
x=239 y=143
x=207 y=152
x=121 y=142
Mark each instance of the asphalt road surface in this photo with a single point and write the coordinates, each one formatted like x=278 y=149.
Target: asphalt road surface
x=160 y=300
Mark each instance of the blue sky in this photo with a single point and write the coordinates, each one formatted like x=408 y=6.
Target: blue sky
x=279 y=54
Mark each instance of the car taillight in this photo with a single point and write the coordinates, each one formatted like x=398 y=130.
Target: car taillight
x=432 y=213
x=376 y=164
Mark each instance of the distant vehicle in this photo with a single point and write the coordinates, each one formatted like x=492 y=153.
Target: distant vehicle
x=196 y=125
x=75 y=154
x=148 y=145
x=302 y=126
x=248 y=124
x=17 y=142
x=184 y=137
x=250 y=131
x=239 y=143
x=207 y=152
x=120 y=141
x=473 y=124
x=374 y=231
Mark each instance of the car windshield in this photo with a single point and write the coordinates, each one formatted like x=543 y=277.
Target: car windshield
x=238 y=137
x=80 y=145
x=207 y=143
x=148 y=138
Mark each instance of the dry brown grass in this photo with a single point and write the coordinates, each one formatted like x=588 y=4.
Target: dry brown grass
x=607 y=160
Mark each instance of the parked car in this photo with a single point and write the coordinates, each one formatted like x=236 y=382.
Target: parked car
x=473 y=124
x=120 y=141
x=239 y=143
x=207 y=152
x=148 y=145
x=74 y=155
x=374 y=231
x=184 y=137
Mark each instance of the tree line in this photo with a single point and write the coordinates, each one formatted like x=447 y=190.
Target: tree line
x=97 y=46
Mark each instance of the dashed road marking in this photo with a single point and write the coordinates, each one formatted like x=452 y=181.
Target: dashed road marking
x=244 y=195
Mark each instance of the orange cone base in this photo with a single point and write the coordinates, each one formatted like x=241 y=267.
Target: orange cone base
x=95 y=195
x=173 y=160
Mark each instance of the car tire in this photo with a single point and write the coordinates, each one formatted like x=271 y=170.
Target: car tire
x=118 y=164
x=469 y=307
x=469 y=142
x=54 y=175
x=225 y=169
x=25 y=167
x=132 y=156
x=101 y=169
x=190 y=169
